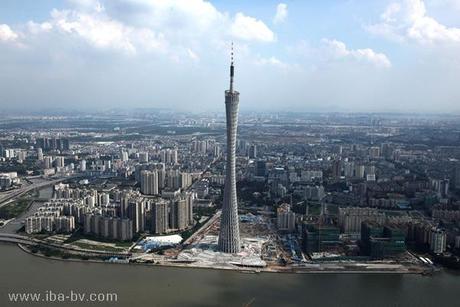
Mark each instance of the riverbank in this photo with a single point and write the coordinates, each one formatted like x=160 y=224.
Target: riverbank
x=146 y=285
x=324 y=268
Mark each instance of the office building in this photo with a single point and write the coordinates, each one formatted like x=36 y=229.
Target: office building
x=320 y=238
x=260 y=168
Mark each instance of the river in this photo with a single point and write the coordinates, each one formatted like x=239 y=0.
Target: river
x=138 y=285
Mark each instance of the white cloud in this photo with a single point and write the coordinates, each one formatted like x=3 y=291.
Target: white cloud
x=390 y=11
x=190 y=19
x=184 y=20
x=251 y=29
x=192 y=55
x=271 y=61
x=281 y=13
x=36 y=28
x=101 y=31
x=133 y=26
x=409 y=21
x=339 y=50
x=6 y=34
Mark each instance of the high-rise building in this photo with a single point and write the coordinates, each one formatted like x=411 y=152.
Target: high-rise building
x=83 y=165
x=378 y=241
x=229 y=236
x=387 y=150
x=217 y=151
x=173 y=179
x=161 y=176
x=108 y=227
x=136 y=213
x=124 y=156
x=39 y=154
x=163 y=156
x=261 y=168
x=149 y=182
x=349 y=169
x=65 y=224
x=336 y=169
x=174 y=159
x=351 y=218
x=359 y=171
x=285 y=218
x=159 y=217
x=186 y=180
x=252 y=152
x=169 y=156
x=124 y=205
x=441 y=186
x=143 y=157
x=315 y=193
x=124 y=229
x=438 y=240
x=374 y=152
x=320 y=238
x=178 y=214
x=53 y=144
x=60 y=162
x=456 y=178
x=189 y=199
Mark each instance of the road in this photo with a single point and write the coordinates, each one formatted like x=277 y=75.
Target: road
x=14 y=225
x=10 y=195
x=19 y=239
x=203 y=228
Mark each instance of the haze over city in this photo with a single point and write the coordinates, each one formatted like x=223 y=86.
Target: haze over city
x=359 y=56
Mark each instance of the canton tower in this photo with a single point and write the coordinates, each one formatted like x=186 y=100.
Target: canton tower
x=229 y=236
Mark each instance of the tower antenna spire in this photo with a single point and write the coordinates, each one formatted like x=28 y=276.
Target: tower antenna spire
x=229 y=232
x=232 y=69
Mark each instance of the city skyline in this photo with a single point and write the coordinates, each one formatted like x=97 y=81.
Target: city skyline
x=390 y=56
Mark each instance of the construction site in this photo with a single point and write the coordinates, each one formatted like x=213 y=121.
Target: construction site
x=265 y=249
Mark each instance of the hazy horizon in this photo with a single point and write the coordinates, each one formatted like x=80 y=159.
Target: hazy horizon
x=85 y=111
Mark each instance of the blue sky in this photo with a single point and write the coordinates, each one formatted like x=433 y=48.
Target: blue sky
x=353 y=56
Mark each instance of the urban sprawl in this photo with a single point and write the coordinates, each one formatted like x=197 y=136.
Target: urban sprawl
x=315 y=192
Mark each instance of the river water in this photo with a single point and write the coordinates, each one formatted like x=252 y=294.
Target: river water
x=138 y=285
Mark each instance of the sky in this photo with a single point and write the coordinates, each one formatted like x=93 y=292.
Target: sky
x=318 y=56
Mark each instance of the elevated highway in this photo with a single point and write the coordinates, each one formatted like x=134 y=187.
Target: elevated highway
x=10 y=195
